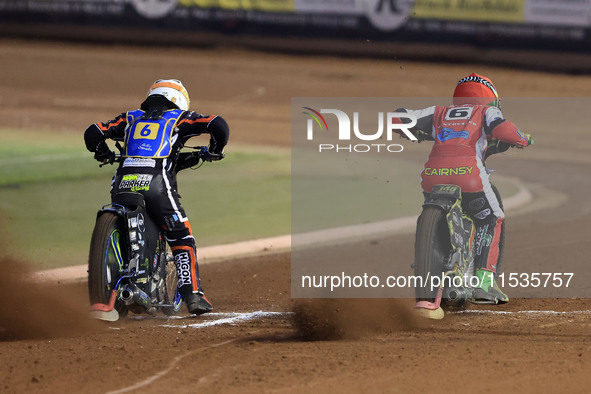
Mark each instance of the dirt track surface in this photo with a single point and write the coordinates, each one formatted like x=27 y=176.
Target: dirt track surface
x=381 y=347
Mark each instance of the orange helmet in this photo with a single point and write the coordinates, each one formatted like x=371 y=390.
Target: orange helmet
x=476 y=89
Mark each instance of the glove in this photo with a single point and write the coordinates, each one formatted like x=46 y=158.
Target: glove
x=422 y=136
x=530 y=140
x=104 y=154
x=105 y=158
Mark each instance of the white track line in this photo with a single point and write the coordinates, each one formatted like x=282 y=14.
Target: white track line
x=233 y=319
x=489 y=312
x=211 y=319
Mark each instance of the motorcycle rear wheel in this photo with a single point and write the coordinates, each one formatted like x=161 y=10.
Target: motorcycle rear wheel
x=171 y=293
x=432 y=248
x=502 y=235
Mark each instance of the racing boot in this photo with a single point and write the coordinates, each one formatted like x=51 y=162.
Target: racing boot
x=488 y=292
x=196 y=302
x=188 y=279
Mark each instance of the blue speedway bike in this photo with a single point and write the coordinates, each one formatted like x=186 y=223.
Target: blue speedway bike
x=130 y=265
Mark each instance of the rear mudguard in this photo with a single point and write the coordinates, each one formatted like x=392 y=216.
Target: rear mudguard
x=142 y=233
x=461 y=227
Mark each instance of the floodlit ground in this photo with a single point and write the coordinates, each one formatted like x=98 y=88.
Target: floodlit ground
x=528 y=345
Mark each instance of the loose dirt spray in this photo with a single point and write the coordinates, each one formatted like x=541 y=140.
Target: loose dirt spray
x=30 y=310
x=331 y=319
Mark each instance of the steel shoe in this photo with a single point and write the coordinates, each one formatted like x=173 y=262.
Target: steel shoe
x=434 y=314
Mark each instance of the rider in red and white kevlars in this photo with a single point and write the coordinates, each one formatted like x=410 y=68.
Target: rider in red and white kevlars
x=462 y=134
x=154 y=136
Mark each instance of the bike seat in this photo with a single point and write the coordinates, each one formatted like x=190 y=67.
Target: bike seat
x=129 y=199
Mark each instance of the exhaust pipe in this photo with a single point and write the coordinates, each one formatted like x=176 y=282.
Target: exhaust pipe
x=126 y=295
x=131 y=294
x=455 y=296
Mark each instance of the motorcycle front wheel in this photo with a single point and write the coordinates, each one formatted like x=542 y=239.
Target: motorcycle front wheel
x=105 y=260
x=171 y=292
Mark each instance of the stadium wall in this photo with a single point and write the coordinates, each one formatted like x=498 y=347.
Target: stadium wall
x=527 y=33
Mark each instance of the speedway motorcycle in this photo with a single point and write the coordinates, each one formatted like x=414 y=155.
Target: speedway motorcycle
x=444 y=249
x=130 y=265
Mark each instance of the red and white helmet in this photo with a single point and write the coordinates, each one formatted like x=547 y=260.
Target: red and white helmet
x=476 y=89
x=173 y=90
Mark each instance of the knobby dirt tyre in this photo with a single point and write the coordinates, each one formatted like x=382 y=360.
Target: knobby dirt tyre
x=432 y=247
x=502 y=236
x=104 y=258
x=171 y=294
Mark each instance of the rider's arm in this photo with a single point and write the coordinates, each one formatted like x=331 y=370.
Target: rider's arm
x=96 y=133
x=424 y=127
x=193 y=124
x=504 y=130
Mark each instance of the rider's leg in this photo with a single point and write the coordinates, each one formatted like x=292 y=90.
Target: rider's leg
x=488 y=217
x=163 y=205
x=183 y=248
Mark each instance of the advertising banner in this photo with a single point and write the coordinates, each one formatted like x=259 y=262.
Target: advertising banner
x=259 y=5
x=474 y=10
x=533 y=20
x=558 y=12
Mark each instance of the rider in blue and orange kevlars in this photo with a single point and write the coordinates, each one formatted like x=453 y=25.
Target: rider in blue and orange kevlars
x=462 y=133
x=154 y=136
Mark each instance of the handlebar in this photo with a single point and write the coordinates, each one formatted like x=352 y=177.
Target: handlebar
x=114 y=158
x=199 y=153
x=202 y=152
